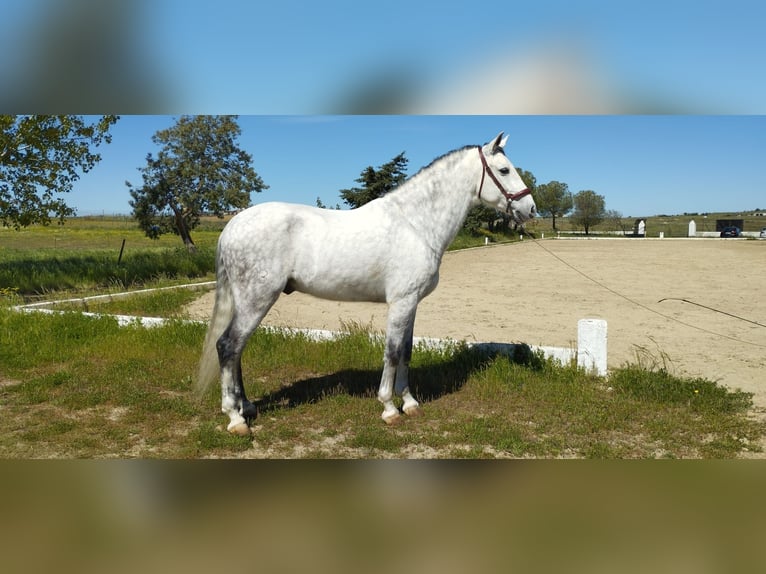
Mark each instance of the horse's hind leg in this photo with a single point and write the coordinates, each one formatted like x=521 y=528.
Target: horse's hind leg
x=234 y=402
x=230 y=346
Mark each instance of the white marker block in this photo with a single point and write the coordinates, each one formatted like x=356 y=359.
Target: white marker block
x=591 y=345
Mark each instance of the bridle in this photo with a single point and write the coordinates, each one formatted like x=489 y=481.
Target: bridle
x=509 y=196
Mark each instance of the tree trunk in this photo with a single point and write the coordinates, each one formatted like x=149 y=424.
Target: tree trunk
x=554 y=221
x=183 y=231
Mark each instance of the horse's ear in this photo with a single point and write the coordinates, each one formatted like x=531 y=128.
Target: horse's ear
x=498 y=143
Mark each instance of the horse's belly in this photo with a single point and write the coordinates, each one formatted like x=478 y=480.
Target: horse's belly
x=339 y=286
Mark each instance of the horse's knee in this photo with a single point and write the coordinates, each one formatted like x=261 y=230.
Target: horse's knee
x=398 y=352
x=393 y=353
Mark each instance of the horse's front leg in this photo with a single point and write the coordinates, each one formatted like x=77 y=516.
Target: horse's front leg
x=401 y=385
x=396 y=359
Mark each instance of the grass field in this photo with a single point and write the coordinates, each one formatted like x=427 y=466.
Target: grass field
x=73 y=386
x=83 y=256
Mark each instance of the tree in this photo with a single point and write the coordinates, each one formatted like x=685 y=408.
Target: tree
x=376 y=182
x=589 y=209
x=529 y=179
x=200 y=169
x=40 y=157
x=553 y=200
x=320 y=204
x=614 y=219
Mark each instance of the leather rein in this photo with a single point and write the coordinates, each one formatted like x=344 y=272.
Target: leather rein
x=509 y=196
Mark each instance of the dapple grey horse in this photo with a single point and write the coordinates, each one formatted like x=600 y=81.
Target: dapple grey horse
x=388 y=250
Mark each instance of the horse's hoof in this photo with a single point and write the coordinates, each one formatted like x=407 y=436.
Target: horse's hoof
x=393 y=419
x=240 y=429
x=415 y=411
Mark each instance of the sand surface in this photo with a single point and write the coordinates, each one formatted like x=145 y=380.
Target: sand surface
x=535 y=292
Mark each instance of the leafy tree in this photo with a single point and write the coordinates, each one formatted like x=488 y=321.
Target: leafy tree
x=199 y=169
x=589 y=209
x=553 y=200
x=479 y=216
x=528 y=178
x=376 y=182
x=40 y=157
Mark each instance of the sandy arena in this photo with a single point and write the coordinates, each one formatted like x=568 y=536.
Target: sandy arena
x=535 y=292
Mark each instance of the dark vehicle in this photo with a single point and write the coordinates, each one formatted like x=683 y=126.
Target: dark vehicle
x=730 y=231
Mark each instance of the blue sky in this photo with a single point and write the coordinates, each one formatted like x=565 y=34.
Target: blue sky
x=642 y=165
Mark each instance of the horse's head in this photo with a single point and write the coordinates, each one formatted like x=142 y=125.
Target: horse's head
x=501 y=186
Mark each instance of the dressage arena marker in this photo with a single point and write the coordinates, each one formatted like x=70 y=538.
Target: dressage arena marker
x=590 y=354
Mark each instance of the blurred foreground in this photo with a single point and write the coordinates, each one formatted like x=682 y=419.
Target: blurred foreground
x=194 y=517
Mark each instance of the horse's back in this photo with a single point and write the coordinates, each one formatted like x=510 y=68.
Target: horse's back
x=267 y=218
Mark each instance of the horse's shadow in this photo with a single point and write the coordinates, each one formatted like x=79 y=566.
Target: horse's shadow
x=427 y=382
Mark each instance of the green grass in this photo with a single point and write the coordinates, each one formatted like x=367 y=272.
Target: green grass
x=75 y=386
x=82 y=256
x=36 y=273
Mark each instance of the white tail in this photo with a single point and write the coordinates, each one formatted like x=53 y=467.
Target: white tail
x=223 y=311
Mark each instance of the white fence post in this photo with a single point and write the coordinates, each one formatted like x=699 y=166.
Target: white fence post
x=591 y=345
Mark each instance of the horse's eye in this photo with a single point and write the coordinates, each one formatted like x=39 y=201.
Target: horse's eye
x=505 y=170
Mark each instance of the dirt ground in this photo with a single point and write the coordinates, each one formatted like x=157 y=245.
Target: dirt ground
x=535 y=292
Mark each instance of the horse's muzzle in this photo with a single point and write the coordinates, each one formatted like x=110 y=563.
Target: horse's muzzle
x=520 y=216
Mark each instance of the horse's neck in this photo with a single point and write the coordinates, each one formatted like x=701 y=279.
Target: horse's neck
x=436 y=202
